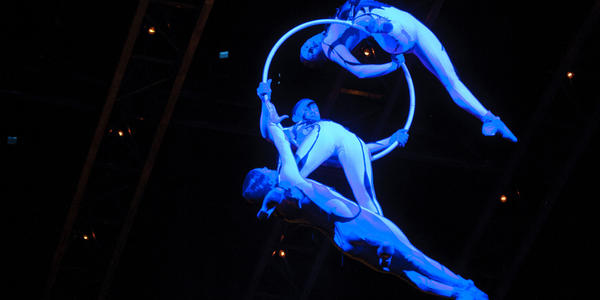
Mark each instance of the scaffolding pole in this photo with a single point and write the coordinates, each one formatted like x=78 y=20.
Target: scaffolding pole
x=111 y=98
x=158 y=138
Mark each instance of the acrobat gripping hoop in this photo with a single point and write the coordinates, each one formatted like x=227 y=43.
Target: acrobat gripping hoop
x=411 y=89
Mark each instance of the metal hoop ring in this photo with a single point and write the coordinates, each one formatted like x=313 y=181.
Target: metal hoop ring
x=409 y=82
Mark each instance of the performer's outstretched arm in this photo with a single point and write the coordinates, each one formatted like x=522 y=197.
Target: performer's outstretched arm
x=400 y=136
x=264 y=93
x=289 y=173
x=272 y=130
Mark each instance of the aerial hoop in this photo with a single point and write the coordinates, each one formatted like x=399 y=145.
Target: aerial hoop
x=411 y=89
x=411 y=112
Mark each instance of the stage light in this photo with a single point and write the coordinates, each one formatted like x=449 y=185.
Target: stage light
x=361 y=93
x=570 y=75
x=503 y=199
x=151 y=30
x=85 y=237
x=281 y=253
x=366 y=52
x=120 y=133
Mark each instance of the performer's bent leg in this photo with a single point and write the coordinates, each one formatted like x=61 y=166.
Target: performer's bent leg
x=433 y=55
x=315 y=150
x=354 y=158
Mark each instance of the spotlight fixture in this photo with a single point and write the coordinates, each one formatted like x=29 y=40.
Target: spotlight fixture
x=570 y=75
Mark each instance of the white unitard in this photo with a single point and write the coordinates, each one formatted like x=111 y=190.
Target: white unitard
x=361 y=234
x=408 y=35
x=323 y=139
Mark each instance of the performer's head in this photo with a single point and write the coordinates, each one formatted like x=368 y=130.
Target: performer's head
x=311 y=53
x=306 y=110
x=258 y=183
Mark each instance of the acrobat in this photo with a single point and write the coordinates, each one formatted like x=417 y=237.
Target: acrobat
x=398 y=33
x=359 y=233
x=317 y=141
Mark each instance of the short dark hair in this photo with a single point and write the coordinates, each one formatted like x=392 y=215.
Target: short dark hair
x=258 y=183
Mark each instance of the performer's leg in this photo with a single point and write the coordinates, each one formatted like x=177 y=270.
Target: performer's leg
x=430 y=268
x=354 y=157
x=404 y=256
x=433 y=55
x=314 y=150
x=396 y=255
x=434 y=287
x=429 y=285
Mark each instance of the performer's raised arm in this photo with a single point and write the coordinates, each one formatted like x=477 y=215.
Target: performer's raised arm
x=264 y=93
x=272 y=130
x=400 y=136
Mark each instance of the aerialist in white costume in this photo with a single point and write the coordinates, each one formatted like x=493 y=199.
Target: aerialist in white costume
x=317 y=141
x=360 y=233
x=397 y=32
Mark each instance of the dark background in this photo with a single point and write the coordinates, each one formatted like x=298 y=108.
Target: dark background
x=195 y=237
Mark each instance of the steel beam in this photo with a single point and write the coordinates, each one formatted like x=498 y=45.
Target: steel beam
x=158 y=138
x=111 y=98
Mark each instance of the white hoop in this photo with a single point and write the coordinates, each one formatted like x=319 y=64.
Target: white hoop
x=411 y=89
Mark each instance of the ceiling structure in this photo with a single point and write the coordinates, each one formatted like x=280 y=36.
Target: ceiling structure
x=191 y=235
